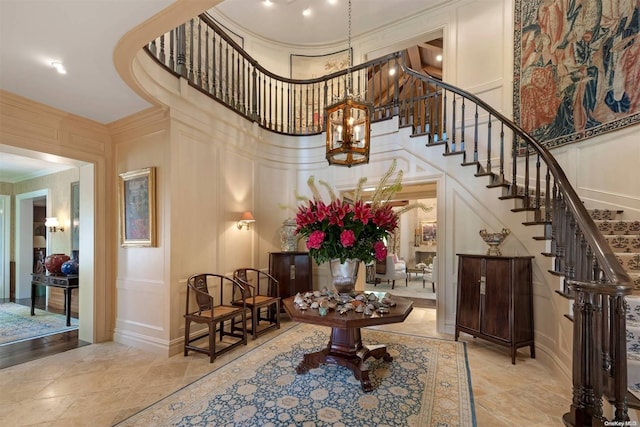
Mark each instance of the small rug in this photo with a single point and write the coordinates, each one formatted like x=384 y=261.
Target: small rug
x=17 y=324
x=426 y=384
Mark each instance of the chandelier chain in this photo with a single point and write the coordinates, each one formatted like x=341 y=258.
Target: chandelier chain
x=350 y=57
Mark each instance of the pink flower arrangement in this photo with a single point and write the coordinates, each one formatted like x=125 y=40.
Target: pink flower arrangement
x=345 y=231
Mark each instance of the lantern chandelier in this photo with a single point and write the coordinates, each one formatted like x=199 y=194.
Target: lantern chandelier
x=348 y=124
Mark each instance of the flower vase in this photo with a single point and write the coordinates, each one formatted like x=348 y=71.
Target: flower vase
x=54 y=262
x=344 y=276
x=70 y=267
x=288 y=238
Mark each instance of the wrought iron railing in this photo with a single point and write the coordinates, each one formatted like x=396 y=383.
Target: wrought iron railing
x=499 y=149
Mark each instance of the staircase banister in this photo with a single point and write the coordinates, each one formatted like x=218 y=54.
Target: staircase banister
x=601 y=250
x=597 y=287
x=207 y=19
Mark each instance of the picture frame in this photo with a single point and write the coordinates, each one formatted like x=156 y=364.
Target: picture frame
x=138 y=208
x=428 y=232
x=75 y=216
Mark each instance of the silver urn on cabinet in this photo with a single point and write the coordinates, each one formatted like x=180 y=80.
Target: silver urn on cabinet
x=494 y=240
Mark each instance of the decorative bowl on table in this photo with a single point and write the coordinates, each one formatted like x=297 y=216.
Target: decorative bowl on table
x=494 y=240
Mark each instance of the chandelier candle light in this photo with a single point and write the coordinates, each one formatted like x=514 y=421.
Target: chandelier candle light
x=348 y=124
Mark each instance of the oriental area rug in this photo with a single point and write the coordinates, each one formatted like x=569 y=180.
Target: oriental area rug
x=426 y=384
x=17 y=324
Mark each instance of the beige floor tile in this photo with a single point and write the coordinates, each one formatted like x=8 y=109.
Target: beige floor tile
x=102 y=384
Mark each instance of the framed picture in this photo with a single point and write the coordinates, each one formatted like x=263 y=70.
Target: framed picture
x=75 y=216
x=428 y=232
x=575 y=68
x=138 y=208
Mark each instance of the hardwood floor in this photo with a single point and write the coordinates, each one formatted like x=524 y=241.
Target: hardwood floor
x=25 y=351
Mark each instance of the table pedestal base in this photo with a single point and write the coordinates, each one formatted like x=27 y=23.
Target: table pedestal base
x=345 y=349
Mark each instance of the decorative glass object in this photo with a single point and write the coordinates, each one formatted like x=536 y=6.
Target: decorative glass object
x=288 y=238
x=344 y=276
x=494 y=240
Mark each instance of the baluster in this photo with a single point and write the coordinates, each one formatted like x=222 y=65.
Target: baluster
x=254 y=95
x=475 y=135
x=501 y=160
x=191 y=41
x=396 y=85
x=570 y=249
x=199 y=73
x=318 y=115
x=527 y=192
x=513 y=188
x=443 y=135
x=233 y=96
x=547 y=197
x=454 y=107
x=538 y=213
x=462 y=126
x=489 y=125
x=172 y=38
x=214 y=71
x=263 y=112
x=181 y=49
x=270 y=103
x=162 y=56
x=326 y=103
x=280 y=98
x=289 y=110
x=439 y=106
x=306 y=109
x=220 y=69
x=207 y=82
x=227 y=85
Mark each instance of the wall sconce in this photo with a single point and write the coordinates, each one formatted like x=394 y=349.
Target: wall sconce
x=246 y=220
x=52 y=224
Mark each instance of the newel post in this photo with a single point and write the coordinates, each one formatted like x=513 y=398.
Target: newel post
x=586 y=406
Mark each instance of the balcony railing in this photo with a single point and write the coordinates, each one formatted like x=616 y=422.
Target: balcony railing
x=494 y=145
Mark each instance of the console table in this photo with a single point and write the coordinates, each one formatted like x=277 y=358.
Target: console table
x=67 y=283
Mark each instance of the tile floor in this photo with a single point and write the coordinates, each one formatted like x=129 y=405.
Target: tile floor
x=101 y=384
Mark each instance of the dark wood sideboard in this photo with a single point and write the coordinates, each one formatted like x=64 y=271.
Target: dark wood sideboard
x=495 y=300
x=292 y=270
x=67 y=283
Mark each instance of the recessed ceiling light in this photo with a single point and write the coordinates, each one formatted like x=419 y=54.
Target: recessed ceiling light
x=59 y=67
x=439 y=58
x=306 y=12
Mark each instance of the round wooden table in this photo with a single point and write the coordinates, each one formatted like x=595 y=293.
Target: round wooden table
x=345 y=346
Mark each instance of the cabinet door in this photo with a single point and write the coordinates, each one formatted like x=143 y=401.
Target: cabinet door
x=497 y=299
x=302 y=274
x=468 y=311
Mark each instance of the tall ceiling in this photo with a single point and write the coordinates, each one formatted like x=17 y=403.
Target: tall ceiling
x=83 y=34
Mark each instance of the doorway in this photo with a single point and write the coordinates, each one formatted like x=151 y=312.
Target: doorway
x=49 y=178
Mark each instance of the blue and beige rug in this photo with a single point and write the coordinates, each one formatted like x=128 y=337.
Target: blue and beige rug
x=17 y=324
x=427 y=384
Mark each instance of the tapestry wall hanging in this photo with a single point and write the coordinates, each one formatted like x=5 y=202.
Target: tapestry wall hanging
x=576 y=68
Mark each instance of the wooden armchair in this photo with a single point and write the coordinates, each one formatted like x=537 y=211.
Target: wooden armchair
x=213 y=312
x=262 y=292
